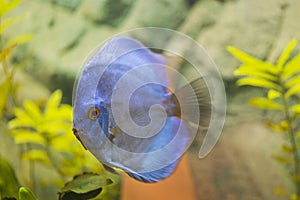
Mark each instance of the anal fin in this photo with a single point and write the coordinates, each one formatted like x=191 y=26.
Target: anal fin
x=108 y=168
x=154 y=176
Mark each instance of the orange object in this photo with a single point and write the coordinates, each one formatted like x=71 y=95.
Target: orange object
x=178 y=186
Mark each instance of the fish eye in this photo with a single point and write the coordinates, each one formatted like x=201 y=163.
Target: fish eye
x=93 y=113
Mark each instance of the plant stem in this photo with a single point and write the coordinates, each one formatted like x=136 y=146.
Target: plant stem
x=32 y=178
x=294 y=146
x=53 y=162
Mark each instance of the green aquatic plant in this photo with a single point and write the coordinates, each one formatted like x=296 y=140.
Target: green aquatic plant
x=26 y=194
x=86 y=186
x=42 y=131
x=9 y=185
x=7 y=45
x=281 y=80
x=47 y=132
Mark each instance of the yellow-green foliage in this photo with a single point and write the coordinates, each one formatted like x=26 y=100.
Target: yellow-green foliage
x=282 y=82
x=6 y=46
x=8 y=181
x=44 y=132
x=9 y=185
x=90 y=186
x=26 y=194
x=48 y=131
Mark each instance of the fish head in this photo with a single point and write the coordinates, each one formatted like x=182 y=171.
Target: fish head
x=90 y=122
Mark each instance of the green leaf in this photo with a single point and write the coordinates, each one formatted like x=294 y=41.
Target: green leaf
x=281 y=127
x=4 y=53
x=287 y=149
x=7 y=6
x=292 y=81
x=258 y=82
x=291 y=68
x=53 y=102
x=85 y=186
x=33 y=110
x=264 y=103
x=9 y=184
x=294 y=197
x=296 y=108
x=22 y=120
x=253 y=70
x=295 y=178
x=86 y=182
x=7 y=22
x=281 y=192
x=286 y=53
x=20 y=39
x=26 y=194
x=282 y=159
x=24 y=136
x=273 y=94
x=253 y=65
x=58 y=144
x=293 y=90
x=242 y=56
x=4 y=88
x=36 y=155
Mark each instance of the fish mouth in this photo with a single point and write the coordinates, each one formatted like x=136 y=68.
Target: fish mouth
x=76 y=133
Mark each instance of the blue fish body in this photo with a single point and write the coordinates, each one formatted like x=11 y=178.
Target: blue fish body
x=148 y=140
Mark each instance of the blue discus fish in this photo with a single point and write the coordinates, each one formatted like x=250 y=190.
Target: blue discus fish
x=127 y=114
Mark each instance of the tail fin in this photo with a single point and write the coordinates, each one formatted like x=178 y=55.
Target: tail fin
x=191 y=96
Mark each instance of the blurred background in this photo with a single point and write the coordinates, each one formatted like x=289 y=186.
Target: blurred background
x=65 y=32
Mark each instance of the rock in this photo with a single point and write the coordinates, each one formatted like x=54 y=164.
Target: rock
x=202 y=15
x=67 y=4
x=92 y=9
x=63 y=39
x=72 y=62
x=105 y=11
x=58 y=37
x=259 y=29
x=241 y=165
x=253 y=28
x=52 y=45
x=30 y=89
x=56 y=33
x=157 y=13
x=289 y=28
x=93 y=38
